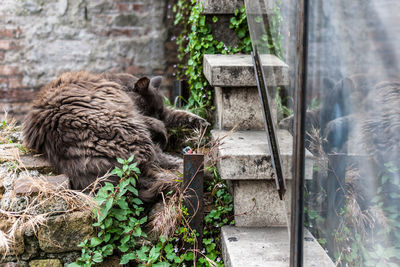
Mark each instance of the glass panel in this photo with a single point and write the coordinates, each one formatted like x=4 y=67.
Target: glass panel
x=352 y=202
x=270 y=24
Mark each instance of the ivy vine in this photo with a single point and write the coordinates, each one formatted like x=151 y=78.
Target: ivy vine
x=120 y=228
x=196 y=40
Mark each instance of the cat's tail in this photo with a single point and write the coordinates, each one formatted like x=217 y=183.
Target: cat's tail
x=156 y=181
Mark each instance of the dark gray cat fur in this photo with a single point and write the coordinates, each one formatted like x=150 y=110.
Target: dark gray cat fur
x=83 y=122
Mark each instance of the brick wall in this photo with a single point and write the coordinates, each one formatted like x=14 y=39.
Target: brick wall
x=39 y=39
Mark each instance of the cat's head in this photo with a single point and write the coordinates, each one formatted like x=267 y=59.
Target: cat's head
x=149 y=100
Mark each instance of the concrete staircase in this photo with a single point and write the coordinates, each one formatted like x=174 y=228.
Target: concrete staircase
x=260 y=235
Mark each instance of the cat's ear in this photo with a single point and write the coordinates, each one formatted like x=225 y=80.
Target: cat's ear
x=155 y=82
x=142 y=85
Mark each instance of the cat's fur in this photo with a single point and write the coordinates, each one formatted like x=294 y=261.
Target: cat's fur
x=83 y=122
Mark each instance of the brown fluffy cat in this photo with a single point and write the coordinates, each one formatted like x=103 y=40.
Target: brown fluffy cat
x=83 y=122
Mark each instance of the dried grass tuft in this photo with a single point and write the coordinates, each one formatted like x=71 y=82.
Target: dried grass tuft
x=165 y=221
x=40 y=206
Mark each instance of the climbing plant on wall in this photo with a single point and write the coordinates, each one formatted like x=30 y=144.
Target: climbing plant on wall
x=196 y=39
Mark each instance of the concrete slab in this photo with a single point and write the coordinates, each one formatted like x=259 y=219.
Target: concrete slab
x=244 y=155
x=257 y=203
x=238 y=71
x=221 y=6
x=213 y=7
x=267 y=247
x=233 y=109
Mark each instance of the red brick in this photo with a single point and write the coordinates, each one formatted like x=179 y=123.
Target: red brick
x=119 y=32
x=158 y=72
x=171 y=45
x=8 y=70
x=15 y=108
x=135 y=70
x=16 y=95
x=3 y=83
x=15 y=82
x=138 y=7
x=124 y=7
x=7 y=45
x=8 y=33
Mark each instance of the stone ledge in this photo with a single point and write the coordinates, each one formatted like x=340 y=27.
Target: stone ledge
x=257 y=203
x=228 y=7
x=45 y=263
x=63 y=233
x=10 y=264
x=267 y=247
x=27 y=186
x=244 y=155
x=238 y=71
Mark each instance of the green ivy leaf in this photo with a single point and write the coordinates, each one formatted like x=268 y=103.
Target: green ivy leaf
x=97 y=257
x=95 y=241
x=127 y=258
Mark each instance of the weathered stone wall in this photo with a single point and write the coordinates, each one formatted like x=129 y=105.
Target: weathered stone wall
x=54 y=241
x=39 y=39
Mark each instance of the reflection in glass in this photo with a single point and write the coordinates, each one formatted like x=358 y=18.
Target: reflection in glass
x=352 y=195
x=353 y=130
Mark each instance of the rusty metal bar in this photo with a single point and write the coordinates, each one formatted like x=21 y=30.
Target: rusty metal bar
x=269 y=124
x=193 y=180
x=297 y=208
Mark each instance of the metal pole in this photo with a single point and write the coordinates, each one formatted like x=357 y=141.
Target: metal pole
x=193 y=180
x=297 y=217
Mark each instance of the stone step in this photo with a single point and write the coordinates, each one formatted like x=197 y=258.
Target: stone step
x=211 y=7
x=225 y=7
x=245 y=161
x=267 y=247
x=236 y=95
x=237 y=70
x=244 y=155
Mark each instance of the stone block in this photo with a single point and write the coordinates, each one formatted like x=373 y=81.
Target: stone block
x=267 y=247
x=222 y=32
x=244 y=155
x=63 y=233
x=241 y=108
x=35 y=162
x=238 y=70
x=11 y=152
x=257 y=204
x=45 y=263
x=26 y=186
x=10 y=264
x=221 y=6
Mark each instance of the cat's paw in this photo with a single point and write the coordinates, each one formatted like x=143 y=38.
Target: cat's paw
x=198 y=122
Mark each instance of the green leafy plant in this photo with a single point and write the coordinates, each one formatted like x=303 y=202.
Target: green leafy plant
x=195 y=40
x=120 y=220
